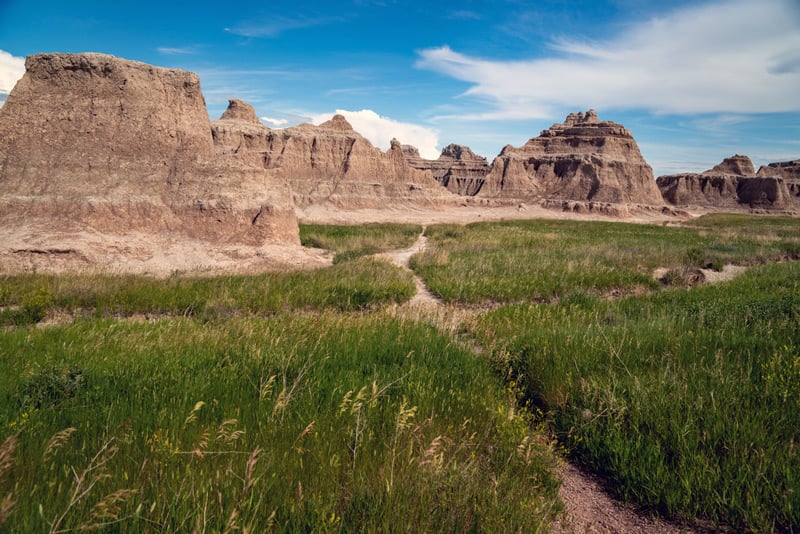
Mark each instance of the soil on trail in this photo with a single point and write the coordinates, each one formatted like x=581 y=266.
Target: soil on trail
x=402 y=258
x=589 y=508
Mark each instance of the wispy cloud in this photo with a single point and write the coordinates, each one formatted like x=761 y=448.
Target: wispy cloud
x=11 y=70
x=380 y=130
x=176 y=51
x=277 y=25
x=726 y=56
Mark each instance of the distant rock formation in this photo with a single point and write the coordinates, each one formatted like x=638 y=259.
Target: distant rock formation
x=730 y=185
x=328 y=163
x=582 y=159
x=788 y=170
x=458 y=168
x=737 y=165
x=91 y=142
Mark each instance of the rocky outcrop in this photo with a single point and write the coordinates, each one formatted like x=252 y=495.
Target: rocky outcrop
x=457 y=168
x=329 y=163
x=583 y=159
x=736 y=165
x=240 y=111
x=91 y=142
x=732 y=184
x=789 y=171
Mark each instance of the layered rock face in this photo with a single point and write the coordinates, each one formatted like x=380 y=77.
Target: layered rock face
x=582 y=159
x=328 y=163
x=789 y=171
x=457 y=168
x=731 y=184
x=91 y=142
x=736 y=165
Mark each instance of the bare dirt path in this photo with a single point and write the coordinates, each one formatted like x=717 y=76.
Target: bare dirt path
x=402 y=258
x=589 y=508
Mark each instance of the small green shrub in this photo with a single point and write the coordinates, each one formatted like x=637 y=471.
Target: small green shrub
x=51 y=386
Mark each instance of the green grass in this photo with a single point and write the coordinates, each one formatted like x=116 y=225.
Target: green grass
x=687 y=400
x=545 y=260
x=326 y=423
x=237 y=409
x=360 y=284
x=349 y=242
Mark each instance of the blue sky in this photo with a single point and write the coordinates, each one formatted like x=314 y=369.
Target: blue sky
x=695 y=81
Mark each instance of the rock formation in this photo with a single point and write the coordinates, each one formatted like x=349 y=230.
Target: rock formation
x=582 y=159
x=788 y=170
x=94 y=143
x=458 y=168
x=730 y=185
x=327 y=163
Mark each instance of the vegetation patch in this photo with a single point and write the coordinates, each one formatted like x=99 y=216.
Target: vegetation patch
x=360 y=284
x=543 y=260
x=349 y=241
x=688 y=400
x=327 y=423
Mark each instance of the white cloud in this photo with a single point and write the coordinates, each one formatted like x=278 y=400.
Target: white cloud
x=277 y=123
x=11 y=70
x=176 y=51
x=380 y=131
x=277 y=25
x=725 y=56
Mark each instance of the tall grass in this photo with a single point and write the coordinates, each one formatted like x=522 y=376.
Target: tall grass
x=544 y=260
x=326 y=423
x=349 y=241
x=688 y=401
x=360 y=284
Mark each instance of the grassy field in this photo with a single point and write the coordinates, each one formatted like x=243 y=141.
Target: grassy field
x=688 y=401
x=360 y=284
x=544 y=260
x=326 y=422
x=349 y=241
x=298 y=401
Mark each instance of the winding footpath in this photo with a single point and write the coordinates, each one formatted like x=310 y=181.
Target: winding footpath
x=588 y=507
x=402 y=258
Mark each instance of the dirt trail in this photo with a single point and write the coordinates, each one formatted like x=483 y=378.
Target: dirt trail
x=588 y=507
x=402 y=258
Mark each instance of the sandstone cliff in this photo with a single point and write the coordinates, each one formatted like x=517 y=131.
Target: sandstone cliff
x=91 y=142
x=457 y=168
x=582 y=159
x=736 y=165
x=329 y=163
x=789 y=171
x=730 y=185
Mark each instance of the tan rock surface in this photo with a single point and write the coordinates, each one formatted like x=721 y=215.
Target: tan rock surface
x=732 y=184
x=789 y=171
x=457 y=168
x=737 y=165
x=91 y=144
x=330 y=163
x=582 y=159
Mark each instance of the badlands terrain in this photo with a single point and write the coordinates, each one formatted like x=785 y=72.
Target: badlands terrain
x=216 y=325
x=113 y=164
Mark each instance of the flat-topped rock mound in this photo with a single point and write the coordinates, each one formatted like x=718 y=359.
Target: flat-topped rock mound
x=94 y=144
x=329 y=163
x=583 y=159
x=458 y=169
x=733 y=184
x=736 y=165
